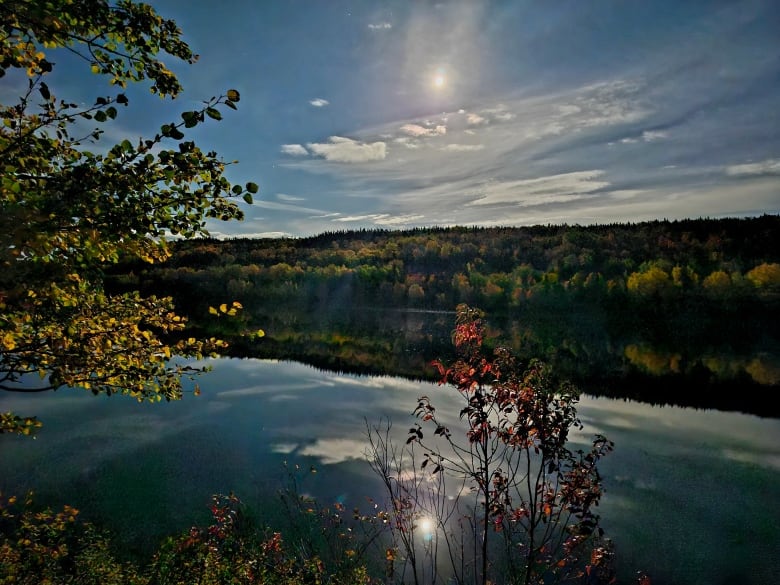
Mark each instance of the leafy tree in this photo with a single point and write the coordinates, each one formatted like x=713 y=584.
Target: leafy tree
x=652 y=282
x=765 y=276
x=66 y=211
x=509 y=502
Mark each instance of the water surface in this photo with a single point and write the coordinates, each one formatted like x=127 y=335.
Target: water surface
x=692 y=496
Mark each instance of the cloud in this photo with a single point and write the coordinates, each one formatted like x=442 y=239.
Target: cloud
x=407 y=142
x=381 y=218
x=319 y=102
x=607 y=103
x=294 y=150
x=766 y=167
x=653 y=135
x=541 y=191
x=416 y=130
x=646 y=136
x=346 y=150
x=473 y=119
x=284 y=197
x=277 y=206
x=380 y=26
x=464 y=147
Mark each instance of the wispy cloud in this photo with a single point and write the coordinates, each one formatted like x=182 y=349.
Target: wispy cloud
x=416 y=130
x=646 y=136
x=463 y=147
x=653 y=135
x=380 y=219
x=285 y=197
x=294 y=150
x=542 y=190
x=766 y=167
x=278 y=206
x=319 y=102
x=380 y=26
x=346 y=150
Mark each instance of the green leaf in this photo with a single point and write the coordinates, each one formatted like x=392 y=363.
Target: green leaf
x=233 y=95
x=252 y=187
x=100 y=116
x=111 y=112
x=44 y=89
x=121 y=99
x=212 y=113
x=236 y=189
x=190 y=119
x=248 y=198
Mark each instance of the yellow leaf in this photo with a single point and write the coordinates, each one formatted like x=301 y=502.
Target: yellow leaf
x=9 y=342
x=212 y=311
x=223 y=308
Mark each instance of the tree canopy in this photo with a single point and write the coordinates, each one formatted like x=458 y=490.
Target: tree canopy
x=70 y=204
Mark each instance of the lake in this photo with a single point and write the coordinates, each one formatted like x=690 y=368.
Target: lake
x=692 y=496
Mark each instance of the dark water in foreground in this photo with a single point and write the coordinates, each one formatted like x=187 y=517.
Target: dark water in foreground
x=692 y=496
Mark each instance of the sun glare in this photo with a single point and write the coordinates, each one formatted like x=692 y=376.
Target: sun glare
x=438 y=81
x=426 y=525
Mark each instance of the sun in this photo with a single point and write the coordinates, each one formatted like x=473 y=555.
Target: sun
x=439 y=80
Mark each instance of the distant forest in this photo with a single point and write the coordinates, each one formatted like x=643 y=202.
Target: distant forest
x=695 y=284
x=494 y=268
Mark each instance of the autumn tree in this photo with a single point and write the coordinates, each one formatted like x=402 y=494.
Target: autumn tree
x=70 y=204
x=508 y=500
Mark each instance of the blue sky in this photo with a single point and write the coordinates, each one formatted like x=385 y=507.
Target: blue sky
x=368 y=114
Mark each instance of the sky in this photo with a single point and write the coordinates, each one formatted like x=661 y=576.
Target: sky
x=401 y=114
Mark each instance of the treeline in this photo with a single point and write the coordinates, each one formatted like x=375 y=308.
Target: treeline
x=494 y=268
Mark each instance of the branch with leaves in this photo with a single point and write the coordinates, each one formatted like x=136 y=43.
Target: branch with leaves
x=525 y=499
x=67 y=213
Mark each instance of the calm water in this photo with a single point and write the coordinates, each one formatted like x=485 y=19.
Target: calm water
x=693 y=497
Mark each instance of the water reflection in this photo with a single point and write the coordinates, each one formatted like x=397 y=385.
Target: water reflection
x=691 y=494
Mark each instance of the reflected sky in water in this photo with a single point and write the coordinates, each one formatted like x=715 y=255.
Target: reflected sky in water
x=692 y=496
